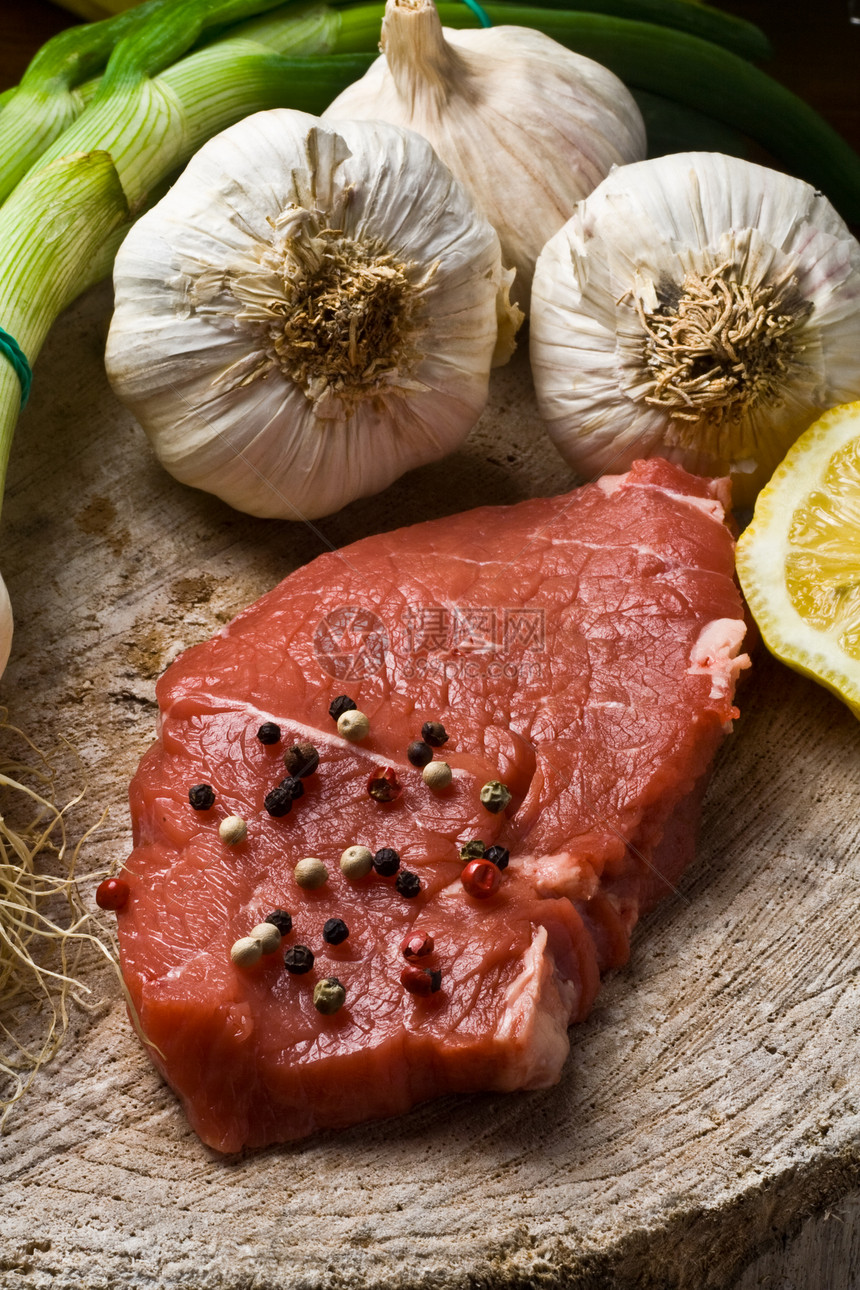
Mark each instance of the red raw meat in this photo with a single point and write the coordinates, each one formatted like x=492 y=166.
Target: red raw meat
x=581 y=649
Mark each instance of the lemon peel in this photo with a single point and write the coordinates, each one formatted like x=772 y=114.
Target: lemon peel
x=798 y=561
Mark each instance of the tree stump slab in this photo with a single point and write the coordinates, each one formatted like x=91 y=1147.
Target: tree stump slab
x=710 y=1104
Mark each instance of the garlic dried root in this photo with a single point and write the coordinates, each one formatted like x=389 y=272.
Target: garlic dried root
x=44 y=927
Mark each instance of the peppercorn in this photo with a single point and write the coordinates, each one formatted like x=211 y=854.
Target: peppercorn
x=353 y=725
x=293 y=785
x=437 y=775
x=310 y=873
x=233 y=830
x=434 y=734
x=386 y=862
x=422 y=981
x=343 y=703
x=269 y=733
x=113 y=893
x=278 y=801
x=202 y=797
x=298 y=960
x=495 y=796
x=499 y=856
x=281 y=919
x=268 y=936
x=301 y=760
x=408 y=884
x=473 y=850
x=335 y=930
x=329 y=995
x=416 y=944
x=481 y=879
x=419 y=753
x=356 y=862
x=384 y=786
x=246 y=951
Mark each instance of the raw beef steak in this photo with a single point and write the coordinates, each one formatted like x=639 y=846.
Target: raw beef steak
x=581 y=650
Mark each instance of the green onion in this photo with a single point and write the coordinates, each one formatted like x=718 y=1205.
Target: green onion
x=49 y=230
x=702 y=20
x=148 y=38
x=46 y=101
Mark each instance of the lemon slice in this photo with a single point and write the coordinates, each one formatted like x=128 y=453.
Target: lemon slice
x=799 y=559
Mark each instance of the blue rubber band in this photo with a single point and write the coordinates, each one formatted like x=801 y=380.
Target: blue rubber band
x=480 y=14
x=10 y=349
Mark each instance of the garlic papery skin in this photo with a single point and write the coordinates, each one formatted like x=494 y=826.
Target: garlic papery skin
x=6 y=626
x=309 y=312
x=696 y=307
x=527 y=126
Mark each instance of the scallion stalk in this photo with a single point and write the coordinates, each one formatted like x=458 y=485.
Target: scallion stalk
x=145 y=39
x=50 y=229
x=47 y=99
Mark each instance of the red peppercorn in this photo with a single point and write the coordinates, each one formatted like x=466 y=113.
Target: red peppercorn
x=418 y=980
x=113 y=893
x=384 y=786
x=481 y=878
x=416 y=944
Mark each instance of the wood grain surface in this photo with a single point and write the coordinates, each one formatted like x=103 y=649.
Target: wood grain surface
x=710 y=1106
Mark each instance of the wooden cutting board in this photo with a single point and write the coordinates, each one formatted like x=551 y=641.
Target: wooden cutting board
x=709 y=1105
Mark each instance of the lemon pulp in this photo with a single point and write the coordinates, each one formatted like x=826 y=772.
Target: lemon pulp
x=799 y=559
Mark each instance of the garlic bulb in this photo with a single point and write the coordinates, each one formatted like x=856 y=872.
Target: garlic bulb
x=527 y=126
x=309 y=312
x=696 y=307
x=6 y=626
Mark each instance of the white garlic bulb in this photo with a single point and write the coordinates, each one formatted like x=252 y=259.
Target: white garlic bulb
x=527 y=126
x=309 y=312
x=696 y=307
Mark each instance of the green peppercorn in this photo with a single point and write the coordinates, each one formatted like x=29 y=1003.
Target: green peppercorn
x=329 y=996
x=495 y=796
x=473 y=850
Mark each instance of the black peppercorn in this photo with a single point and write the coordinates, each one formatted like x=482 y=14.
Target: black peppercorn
x=335 y=930
x=201 y=796
x=279 y=801
x=343 y=703
x=281 y=919
x=301 y=760
x=499 y=856
x=269 y=733
x=408 y=884
x=419 y=753
x=434 y=734
x=386 y=862
x=293 y=787
x=298 y=960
